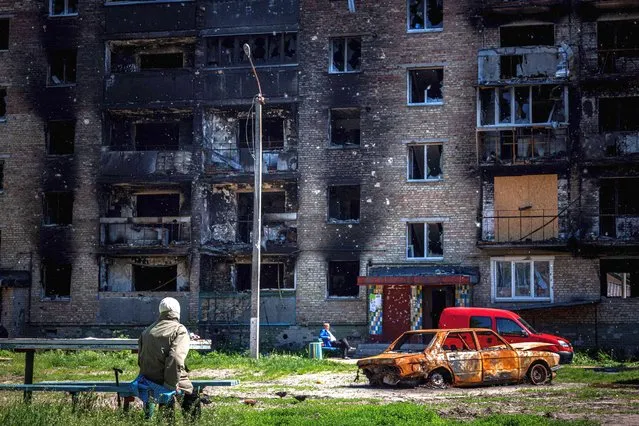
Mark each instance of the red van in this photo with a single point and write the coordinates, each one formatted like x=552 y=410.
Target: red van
x=508 y=324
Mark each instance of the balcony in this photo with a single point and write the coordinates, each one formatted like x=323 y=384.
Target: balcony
x=508 y=65
x=240 y=160
x=222 y=85
x=279 y=231
x=149 y=16
x=145 y=232
x=528 y=227
x=143 y=88
x=140 y=164
x=519 y=7
x=611 y=146
x=254 y=15
x=523 y=145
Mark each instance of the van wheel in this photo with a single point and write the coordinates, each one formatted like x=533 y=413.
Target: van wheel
x=538 y=374
x=439 y=379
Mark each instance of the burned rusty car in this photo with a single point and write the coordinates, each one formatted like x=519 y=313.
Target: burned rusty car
x=459 y=357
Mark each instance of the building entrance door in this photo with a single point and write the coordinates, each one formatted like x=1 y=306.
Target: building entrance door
x=396 y=308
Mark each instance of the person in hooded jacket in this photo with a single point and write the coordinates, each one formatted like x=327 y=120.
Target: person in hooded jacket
x=162 y=351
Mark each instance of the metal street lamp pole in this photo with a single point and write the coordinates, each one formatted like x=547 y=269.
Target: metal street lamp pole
x=254 y=345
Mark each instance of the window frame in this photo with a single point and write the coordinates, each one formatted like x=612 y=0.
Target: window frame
x=52 y=124
x=64 y=82
x=43 y=278
x=409 y=86
x=425 y=12
x=329 y=276
x=46 y=209
x=8 y=20
x=425 y=145
x=284 y=270
x=237 y=52
x=425 y=224
x=521 y=259
x=66 y=9
x=626 y=287
x=332 y=220
x=345 y=40
x=330 y=128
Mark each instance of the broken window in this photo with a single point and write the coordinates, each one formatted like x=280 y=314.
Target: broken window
x=342 y=278
x=157 y=136
x=424 y=240
x=154 y=61
x=56 y=280
x=345 y=55
x=619 y=114
x=155 y=278
x=343 y=203
x=425 y=162
x=60 y=137
x=272 y=277
x=527 y=35
x=618 y=208
x=523 y=105
x=158 y=205
x=425 y=15
x=63 y=7
x=345 y=126
x=58 y=208
x=618 y=46
x=619 y=278
x=425 y=86
x=62 y=67
x=4 y=33
x=266 y=49
x=522 y=279
x=272 y=202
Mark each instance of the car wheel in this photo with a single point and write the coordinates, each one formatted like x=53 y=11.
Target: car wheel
x=538 y=374
x=438 y=379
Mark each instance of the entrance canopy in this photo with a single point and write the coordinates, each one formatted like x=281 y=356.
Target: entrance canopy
x=420 y=275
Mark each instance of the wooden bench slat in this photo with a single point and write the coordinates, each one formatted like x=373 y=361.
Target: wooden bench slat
x=122 y=388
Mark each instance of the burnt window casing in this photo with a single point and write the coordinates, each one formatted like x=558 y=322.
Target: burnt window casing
x=342 y=278
x=155 y=278
x=63 y=7
x=618 y=46
x=62 y=68
x=425 y=86
x=56 y=280
x=4 y=33
x=1 y=175
x=345 y=126
x=266 y=49
x=3 y=104
x=522 y=105
x=424 y=240
x=343 y=203
x=345 y=55
x=272 y=202
x=157 y=136
x=272 y=277
x=527 y=35
x=425 y=162
x=60 y=137
x=158 y=205
x=153 y=61
x=272 y=133
x=424 y=15
x=617 y=200
x=618 y=114
x=58 y=208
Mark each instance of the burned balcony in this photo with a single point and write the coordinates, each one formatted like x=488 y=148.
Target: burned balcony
x=132 y=165
x=618 y=136
x=618 y=217
x=163 y=232
x=523 y=227
x=278 y=230
x=134 y=17
x=617 y=50
x=506 y=65
x=522 y=7
x=240 y=84
x=145 y=88
x=523 y=145
x=241 y=15
x=241 y=160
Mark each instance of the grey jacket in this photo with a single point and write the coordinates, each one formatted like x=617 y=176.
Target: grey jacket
x=163 y=347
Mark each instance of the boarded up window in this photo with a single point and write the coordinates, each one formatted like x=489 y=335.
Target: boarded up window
x=526 y=208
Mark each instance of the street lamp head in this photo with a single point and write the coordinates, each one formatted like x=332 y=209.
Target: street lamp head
x=247 y=50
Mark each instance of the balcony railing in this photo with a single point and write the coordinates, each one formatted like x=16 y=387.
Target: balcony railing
x=517 y=63
x=523 y=145
x=147 y=87
x=145 y=163
x=133 y=17
x=241 y=160
x=618 y=61
x=619 y=226
x=528 y=226
x=278 y=229
x=145 y=231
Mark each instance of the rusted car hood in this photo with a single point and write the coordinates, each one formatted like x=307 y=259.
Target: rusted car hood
x=527 y=346
x=388 y=358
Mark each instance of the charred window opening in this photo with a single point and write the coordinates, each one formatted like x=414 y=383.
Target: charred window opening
x=343 y=203
x=266 y=49
x=619 y=278
x=425 y=15
x=527 y=35
x=618 y=114
x=60 y=137
x=4 y=34
x=272 y=277
x=158 y=205
x=425 y=162
x=345 y=126
x=154 y=278
x=154 y=61
x=342 y=278
x=618 y=208
x=510 y=66
x=425 y=86
x=56 y=280
x=157 y=136
x=522 y=105
x=62 y=67
x=58 y=208
x=272 y=133
x=424 y=240
x=63 y=7
x=345 y=55
x=3 y=104
x=272 y=202
x=1 y=175
x=618 y=46
x=522 y=278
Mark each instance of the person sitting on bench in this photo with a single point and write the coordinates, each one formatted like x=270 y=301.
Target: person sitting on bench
x=162 y=350
x=329 y=341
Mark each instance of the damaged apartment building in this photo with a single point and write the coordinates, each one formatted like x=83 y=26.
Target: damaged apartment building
x=417 y=154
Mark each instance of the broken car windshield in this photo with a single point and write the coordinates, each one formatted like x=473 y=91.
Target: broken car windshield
x=413 y=342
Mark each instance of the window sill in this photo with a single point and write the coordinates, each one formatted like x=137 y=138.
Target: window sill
x=524 y=299
x=425 y=30
x=61 y=85
x=221 y=69
x=63 y=15
x=418 y=259
x=510 y=125
x=424 y=180
x=343 y=298
x=342 y=147
x=425 y=104
x=55 y=299
x=342 y=222
x=343 y=72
